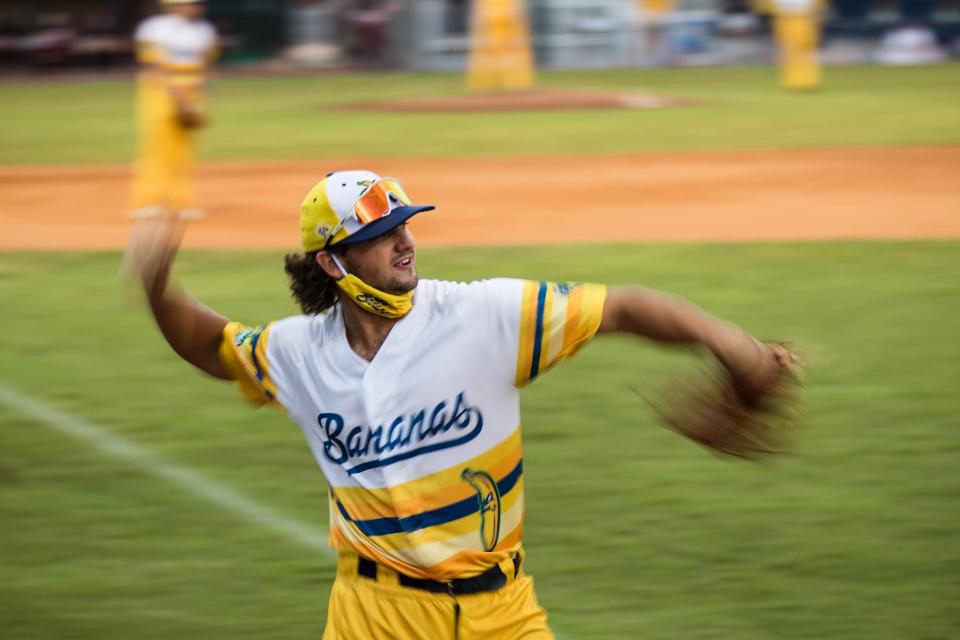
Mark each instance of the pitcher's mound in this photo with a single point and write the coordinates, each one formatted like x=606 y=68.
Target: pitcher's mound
x=525 y=100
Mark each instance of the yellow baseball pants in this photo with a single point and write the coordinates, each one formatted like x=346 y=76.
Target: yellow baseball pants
x=166 y=154
x=798 y=36
x=364 y=608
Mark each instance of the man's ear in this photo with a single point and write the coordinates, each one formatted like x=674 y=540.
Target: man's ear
x=325 y=262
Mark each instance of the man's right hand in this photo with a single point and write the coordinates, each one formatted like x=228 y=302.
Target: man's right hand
x=151 y=249
x=193 y=330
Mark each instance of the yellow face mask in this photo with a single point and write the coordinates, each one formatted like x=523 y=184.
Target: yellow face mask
x=381 y=303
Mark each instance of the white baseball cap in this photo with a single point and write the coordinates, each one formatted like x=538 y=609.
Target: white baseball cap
x=352 y=206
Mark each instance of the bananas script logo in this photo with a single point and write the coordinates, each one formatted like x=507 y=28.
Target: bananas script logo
x=488 y=501
x=377 y=303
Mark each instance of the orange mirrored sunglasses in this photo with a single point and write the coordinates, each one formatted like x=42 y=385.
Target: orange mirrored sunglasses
x=380 y=199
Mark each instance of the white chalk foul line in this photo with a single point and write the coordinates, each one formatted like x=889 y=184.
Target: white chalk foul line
x=312 y=537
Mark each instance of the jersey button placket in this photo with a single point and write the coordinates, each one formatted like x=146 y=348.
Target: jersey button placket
x=371 y=403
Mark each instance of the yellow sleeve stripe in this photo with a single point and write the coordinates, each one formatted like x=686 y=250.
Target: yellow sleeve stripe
x=556 y=320
x=247 y=360
x=570 y=334
x=528 y=315
x=583 y=326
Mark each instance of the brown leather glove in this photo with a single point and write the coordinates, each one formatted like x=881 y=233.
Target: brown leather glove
x=729 y=418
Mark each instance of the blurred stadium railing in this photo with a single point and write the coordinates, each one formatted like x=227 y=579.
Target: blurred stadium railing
x=434 y=34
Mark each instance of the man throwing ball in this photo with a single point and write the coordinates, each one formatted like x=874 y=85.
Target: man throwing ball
x=407 y=392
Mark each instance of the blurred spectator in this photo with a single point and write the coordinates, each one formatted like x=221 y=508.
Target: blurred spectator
x=11 y=35
x=50 y=43
x=910 y=44
x=100 y=42
x=365 y=27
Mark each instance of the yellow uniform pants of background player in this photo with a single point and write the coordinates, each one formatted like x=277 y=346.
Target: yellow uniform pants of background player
x=166 y=153
x=798 y=40
x=362 y=608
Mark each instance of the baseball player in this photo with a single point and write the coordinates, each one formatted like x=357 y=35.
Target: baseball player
x=407 y=393
x=174 y=50
x=797 y=33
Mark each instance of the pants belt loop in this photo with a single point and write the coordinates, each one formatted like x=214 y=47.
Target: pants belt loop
x=347 y=564
x=507 y=568
x=386 y=575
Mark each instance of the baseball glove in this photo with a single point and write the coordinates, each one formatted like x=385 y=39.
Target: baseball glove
x=189 y=115
x=731 y=418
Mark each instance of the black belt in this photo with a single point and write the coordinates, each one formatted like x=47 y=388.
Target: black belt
x=490 y=580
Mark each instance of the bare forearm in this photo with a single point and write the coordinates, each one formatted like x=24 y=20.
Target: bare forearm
x=673 y=320
x=192 y=329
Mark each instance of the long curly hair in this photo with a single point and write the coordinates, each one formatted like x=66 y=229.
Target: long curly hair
x=310 y=285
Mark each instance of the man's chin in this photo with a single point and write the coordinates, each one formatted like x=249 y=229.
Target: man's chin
x=411 y=284
x=399 y=287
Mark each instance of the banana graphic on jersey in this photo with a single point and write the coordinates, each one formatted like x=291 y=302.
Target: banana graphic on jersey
x=488 y=501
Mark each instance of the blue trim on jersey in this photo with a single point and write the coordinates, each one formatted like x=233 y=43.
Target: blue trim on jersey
x=253 y=352
x=449 y=513
x=256 y=363
x=538 y=336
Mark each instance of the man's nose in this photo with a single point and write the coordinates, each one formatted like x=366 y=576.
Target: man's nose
x=404 y=238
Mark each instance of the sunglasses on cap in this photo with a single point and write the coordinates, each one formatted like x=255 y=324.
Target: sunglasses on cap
x=380 y=198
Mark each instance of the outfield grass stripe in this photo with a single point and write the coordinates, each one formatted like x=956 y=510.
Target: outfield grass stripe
x=312 y=537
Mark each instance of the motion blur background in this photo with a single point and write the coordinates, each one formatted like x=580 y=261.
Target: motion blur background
x=140 y=499
x=434 y=34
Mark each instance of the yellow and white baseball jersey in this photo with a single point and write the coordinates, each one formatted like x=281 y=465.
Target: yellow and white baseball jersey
x=175 y=44
x=421 y=446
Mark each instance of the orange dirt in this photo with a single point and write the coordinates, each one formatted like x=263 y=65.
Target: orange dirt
x=523 y=100
x=716 y=196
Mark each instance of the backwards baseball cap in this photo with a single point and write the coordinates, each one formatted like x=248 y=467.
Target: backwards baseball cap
x=352 y=206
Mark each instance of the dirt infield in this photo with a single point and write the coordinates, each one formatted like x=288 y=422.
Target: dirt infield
x=722 y=196
x=523 y=100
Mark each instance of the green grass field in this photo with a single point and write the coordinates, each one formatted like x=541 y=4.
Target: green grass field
x=287 y=117
x=632 y=532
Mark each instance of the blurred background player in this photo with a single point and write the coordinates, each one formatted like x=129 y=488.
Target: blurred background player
x=501 y=54
x=797 y=30
x=175 y=50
